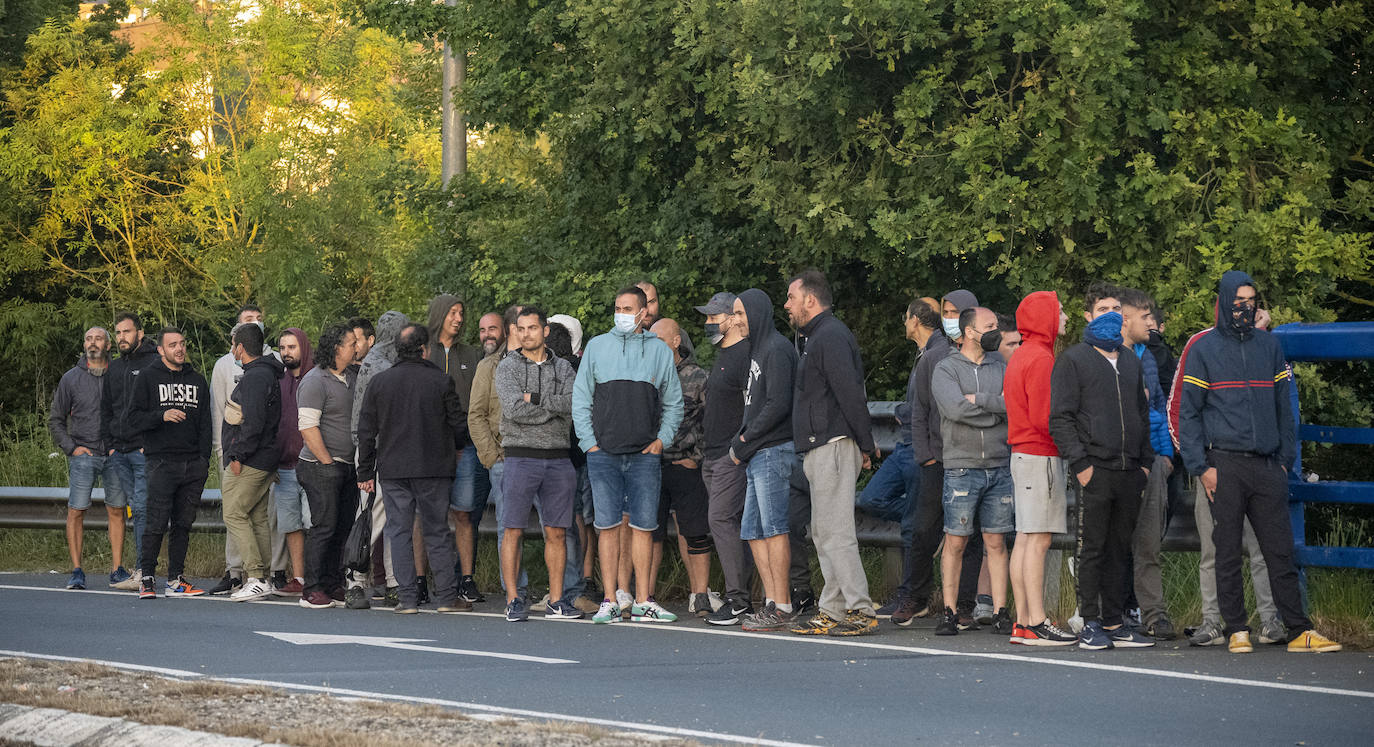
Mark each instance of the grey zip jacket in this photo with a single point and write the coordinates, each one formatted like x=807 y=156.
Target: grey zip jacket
x=974 y=433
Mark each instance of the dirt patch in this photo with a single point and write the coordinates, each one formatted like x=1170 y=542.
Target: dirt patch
x=272 y=715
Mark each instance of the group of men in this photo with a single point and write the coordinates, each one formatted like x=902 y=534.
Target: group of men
x=407 y=425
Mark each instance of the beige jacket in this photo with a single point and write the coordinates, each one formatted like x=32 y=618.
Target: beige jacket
x=484 y=411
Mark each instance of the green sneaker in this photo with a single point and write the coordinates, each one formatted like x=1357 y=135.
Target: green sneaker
x=608 y=612
x=652 y=612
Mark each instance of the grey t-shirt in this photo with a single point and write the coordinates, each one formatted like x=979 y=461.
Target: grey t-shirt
x=325 y=400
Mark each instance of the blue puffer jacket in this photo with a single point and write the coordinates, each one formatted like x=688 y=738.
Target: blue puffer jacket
x=1159 y=405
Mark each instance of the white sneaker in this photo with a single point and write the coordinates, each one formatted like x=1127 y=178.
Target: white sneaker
x=131 y=583
x=252 y=590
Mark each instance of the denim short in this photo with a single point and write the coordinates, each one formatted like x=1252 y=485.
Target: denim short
x=471 y=484
x=293 y=512
x=768 y=491
x=625 y=484
x=986 y=493
x=81 y=474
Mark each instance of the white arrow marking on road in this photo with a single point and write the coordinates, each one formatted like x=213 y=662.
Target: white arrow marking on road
x=404 y=644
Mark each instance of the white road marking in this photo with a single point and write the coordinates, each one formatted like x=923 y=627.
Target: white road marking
x=404 y=644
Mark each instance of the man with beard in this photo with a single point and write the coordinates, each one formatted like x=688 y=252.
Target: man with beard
x=75 y=426
x=471 y=483
x=117 y=432
x=290 y=508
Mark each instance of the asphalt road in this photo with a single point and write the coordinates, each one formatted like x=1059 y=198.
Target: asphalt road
x=706 y=683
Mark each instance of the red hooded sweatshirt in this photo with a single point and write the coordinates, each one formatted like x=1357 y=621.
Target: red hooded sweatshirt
x=1026 y=387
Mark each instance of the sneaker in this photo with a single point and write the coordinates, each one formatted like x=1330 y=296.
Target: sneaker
x=965 y=620
x=561 y=610
x=855 y=622
x=949 y=623
x=1206 y=634
x=1047 y=634
x=467 y=589
x=624 y=601
x=1161 y=630
x=730 y=613
x=651 y=612
x=1002 y=622
x=1093 y=637
x=147 y=588
x=1128 y=637
x=608 y=612
x=1018 y=634
x=292 y=588
x=316 y=600
x=251 y=591
x=1240 y=643
x=278 y=579
x=803 y=601
x=226 y=585
x=356 y=599
x=1312 y=642
x=585 y=606
x=131 y=583
x=886 y=610
x=458 y=604
x=392 y=596
x=768 y=620
x=705 y=603
x=401 y=609
x=1272 y=631
x=543 y=602
x=78 y=580
x=908 y=611
x=820 y=624
x=118 y=577
x=183 y=588
x=516 y=612
x=422 y=590
x=1133 y=617
x=983 y=611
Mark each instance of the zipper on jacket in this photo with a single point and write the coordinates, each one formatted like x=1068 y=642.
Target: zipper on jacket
x=1245 y=371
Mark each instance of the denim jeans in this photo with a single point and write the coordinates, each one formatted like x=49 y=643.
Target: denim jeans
x=332 y=491
x=472 y=486
x=130 y=468
x=574 y=582
x=768 y=480
x=625 y=484
x=82 y=472
x=891 y=493
x=174 y=489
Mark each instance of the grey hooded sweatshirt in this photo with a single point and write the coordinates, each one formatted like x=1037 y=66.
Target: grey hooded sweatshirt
x=974 y=434
x=381 y=357
x=75 y=416
x=542 y=427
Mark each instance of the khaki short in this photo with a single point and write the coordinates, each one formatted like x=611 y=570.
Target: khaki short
x=1042 y=503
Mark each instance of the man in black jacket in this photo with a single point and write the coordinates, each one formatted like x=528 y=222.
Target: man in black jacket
x=123 y=442
x=831 y=428
x=171 y=409
x=1100 y=422
x=1238 y=436
x=252 y=413
x=411 y=429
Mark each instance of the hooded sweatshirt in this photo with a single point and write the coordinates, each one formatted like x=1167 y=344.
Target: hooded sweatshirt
x=962 y=300
x=689 y=441
x=289 y=441
x=1027 y=385
x=160 y=389
x=1099 y=416
x=1233 y=393
x=925 y=415
x=539 y=428
x=829 y=400
x=459 y=360
x=253 y=443
x=626 y=394
x=381 y=357
x=223 y=378
x=973 y=434
x=768 y=391
x=117 y=430
x=75 y=416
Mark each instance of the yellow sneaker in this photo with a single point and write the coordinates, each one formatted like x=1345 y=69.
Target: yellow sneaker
x=1240 y=643
x=1312 y=642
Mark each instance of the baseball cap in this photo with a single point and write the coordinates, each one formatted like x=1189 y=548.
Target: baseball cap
x=721 y=303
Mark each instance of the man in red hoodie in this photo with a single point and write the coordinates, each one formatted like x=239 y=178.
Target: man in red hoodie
x=1037 y=472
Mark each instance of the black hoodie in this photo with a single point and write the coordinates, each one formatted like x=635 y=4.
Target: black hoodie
x=117 y=429
x=253 y=442
x=160 y=389
x=1099 y=414
x=768 y=389
x=830 y=400
x=1235 y=390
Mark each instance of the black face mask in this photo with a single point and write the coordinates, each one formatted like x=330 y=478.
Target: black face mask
x=1155 y=337
x=713 y=333
x=1243 y=317
x=990 y=341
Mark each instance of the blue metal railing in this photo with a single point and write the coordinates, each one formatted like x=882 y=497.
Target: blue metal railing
x=1336 y=341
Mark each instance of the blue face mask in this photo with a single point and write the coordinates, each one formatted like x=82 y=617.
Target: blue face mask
x=1104 y=332
x=951 y=328
x=626 y=323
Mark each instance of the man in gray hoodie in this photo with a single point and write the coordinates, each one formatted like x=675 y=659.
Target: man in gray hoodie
x=967 y=388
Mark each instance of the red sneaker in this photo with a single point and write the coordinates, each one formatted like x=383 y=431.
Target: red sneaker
x=1018 y=634
x=291 y=588
x=316 y=600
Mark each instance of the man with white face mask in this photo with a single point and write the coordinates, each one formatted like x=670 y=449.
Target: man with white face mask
x=627 y=403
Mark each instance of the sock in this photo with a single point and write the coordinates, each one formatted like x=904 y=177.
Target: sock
x=785 y=608
x=767 y=601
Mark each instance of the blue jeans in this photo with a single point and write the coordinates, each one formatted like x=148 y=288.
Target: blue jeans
x=891 y=493
x=472 y=485
x=573 y=581
x=82 y=472
x=768 y=492
x=984 y=494
x=496 y=474
x=131 y=470
x=625 y=484
x=293 y=511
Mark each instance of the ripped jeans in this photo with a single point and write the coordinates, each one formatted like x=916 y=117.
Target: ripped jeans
x=982 y=493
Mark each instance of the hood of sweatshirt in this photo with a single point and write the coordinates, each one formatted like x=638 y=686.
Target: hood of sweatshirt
x=389 y=327
x=687 y=350
x=1231 y=281
x=438 y=309
x=307 y=357
x=270 y=363
x=85 y=365
x=574 y=328
x=961 y=299
x=1037 y=318
x=759 y=309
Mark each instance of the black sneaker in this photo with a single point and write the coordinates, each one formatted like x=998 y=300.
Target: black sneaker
x=467 y=591
x=1161 y=630
x=226 y=585
x=803 y=601
x=422 y=590
x=392 y=597
x=948 y=624
x=887 y=609
x=729 y=613
x=1001 y=623
x=356 y=599
x=278 y=579
x=964 y=619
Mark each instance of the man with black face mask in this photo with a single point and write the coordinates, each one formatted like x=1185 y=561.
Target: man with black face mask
x=1238 y=437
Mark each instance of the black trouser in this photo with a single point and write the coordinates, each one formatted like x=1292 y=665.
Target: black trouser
x=332 y=492
x=1108 y=507
x=427 y=497
x=1254 y=487
x=174 y=488
x=798 y=519
x=918 y=572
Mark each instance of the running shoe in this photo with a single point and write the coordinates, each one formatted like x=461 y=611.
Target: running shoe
x=226 y=585
x=1047 y=634
x=467 y=589
x=119 y=576
x=1207 y=634
x=147 y=589
x=131 y=583
x=1002 y=623
x=356 y=599
x=182 y=588
x=949 y=623
x=624 y=601
x=907 y=612
x=1272 y=631
x=887 y=609
x=651 y=611
x=855 y=622
x=78 y=580
x=608 y=612
x=561 y=610
x=515 y=611
x=983 y=611
x=703 y=604
x=730 y=613
x=316 y=600
x=803 y=601
x=1093 y=637
x=251 y=591
x=821 y=624
x=292 y=588
x=769 y=619
x=1128 y=637
x=1161 y=630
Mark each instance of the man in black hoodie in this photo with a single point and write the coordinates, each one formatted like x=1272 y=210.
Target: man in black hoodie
x=171 y=409
x=1238 y=436
x=764 y=444
x=252 y=413
x=831 y=428
x=123 y=442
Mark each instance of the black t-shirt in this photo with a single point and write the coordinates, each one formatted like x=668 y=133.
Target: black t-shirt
x=725 y=398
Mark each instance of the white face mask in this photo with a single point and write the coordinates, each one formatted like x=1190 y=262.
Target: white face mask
x=951 y=327
x=626 y=323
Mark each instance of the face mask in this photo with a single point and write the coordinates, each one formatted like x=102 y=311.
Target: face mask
x=1243 y=318
x=626 y=323
x=1155 y=337
x=1105 y=331
x=713 y=333
x=990 y=341
x=951 y=328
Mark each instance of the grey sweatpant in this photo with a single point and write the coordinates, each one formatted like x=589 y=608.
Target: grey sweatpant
x=1207 y=568
x=725 y=489
x=1149 y=530
x=832 y=470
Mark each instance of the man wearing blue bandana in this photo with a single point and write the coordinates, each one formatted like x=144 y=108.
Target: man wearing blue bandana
x=1100 y=422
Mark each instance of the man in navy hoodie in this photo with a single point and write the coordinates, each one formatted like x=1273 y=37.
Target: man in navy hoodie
x=1237 y=435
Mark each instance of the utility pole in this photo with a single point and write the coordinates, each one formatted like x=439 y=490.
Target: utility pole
x=455 y=135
